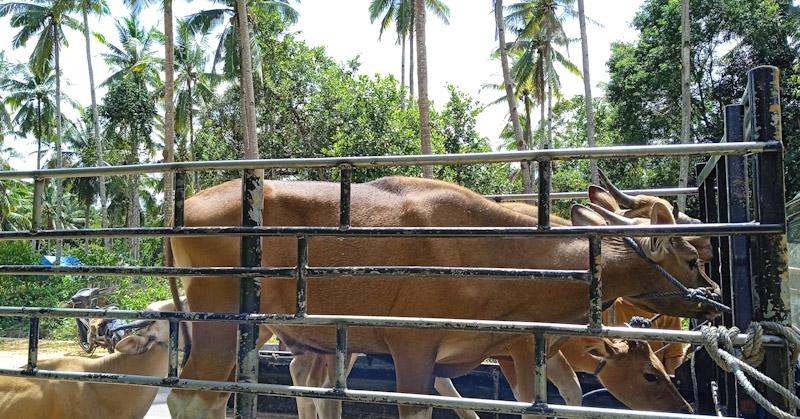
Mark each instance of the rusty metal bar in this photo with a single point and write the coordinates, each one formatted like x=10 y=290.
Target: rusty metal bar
x=490 y=406
x=545 y=177
x=584 y=153
x=249 y=293
x=33 y=343
x=341 y=357
x=681 y=336
x=300 y=277
x=748 y=228
x=585 y=194
x=540 y=378
x=38 y=200
x=174 y=348
x=346 y=173
x=595 y=283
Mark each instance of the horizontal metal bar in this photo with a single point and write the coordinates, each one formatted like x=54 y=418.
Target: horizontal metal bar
x=288 y=272
x=709 y=229
x=585 y=194
x=383 y=321
x=494 y=273
x=491 y=406
x=671 y=150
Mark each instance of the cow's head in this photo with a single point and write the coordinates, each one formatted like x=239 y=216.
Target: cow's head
x=633 y=374
x=638 y=206
x=674 y=254
x=150 y=332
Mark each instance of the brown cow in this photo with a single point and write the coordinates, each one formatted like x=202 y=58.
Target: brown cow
x=400 y=201
x=145 y=354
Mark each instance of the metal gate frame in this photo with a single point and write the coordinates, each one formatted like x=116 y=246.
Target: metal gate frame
x=767 y=250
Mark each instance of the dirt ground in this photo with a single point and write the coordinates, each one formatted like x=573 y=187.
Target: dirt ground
x=14 y=352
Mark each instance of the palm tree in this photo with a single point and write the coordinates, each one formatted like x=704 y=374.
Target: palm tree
x=31 y=95
x=510 y=94
x=7 y=72
x=97 y=7
x=400 y=12
x=686 y=99
x=193 y=86
x=422 y=80
x=587 y=90
x=47 y=19
x=134 y=59
x=225 y=17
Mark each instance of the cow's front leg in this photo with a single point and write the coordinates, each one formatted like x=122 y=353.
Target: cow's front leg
x=303 y=369
x=524 y=358
x=213 y=355
x=445 y=387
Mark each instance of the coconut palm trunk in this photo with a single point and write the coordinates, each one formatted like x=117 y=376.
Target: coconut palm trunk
x=686 y=100
x=549 y=143
x=508 y=84
x=59 y=185
x=411 y=59
x=587 y=91
x=95 y=124
x=403 y=62
x=422 y=85
x=38 y=133
x=169 y=113
x=249 y=111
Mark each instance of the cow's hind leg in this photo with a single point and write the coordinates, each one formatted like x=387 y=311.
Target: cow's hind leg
x=303 y=368
x=414 y=365
x=445 y=387
x=213 y=355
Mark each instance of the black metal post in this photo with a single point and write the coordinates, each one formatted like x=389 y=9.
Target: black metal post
x=33 y=343
x=250 y=294
x=704 y=366
x=300 y=276
x=595 y=283
x=771 y=278
x=545 y=175
x=540 y=343
x=341 y=357
x=735 y=210
x=174 y=348
x=346 y=174
x=180 y=197
x=38 y=200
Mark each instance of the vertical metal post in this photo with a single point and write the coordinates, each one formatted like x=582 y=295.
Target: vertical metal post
x=771 y=279
x=180 y=197
x=705 y=369
x=300 y=276
x=33 y=343
x=540 y=343
x=496 y=388
x=545 y=175
x=346 y=174
x=341 y=357
x=38 y=199
x=595 y=283
x=249 y=294
x=735 y=211
x=174 y=349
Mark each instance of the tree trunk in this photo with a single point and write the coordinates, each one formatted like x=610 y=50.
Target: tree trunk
x=38 y=134
x=133 y=213
x=686 y=100
x=510 y=97
x=195 y=174
x=249 y=112
x=98 y=141
x=169 y=114
x=411 y=59
x=403 y=66
x=587 y=91
x=422 y=84
x=549 y=142
x=59 y=162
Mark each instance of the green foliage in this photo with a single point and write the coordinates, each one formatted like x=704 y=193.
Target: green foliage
x=729 y=37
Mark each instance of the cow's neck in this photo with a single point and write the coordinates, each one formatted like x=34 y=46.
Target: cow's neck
x=151 y=363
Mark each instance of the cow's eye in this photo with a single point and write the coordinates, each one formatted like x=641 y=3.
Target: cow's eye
x=650 y=377
x=693 y=264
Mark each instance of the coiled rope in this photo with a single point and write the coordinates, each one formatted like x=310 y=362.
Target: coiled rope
x=717 y=340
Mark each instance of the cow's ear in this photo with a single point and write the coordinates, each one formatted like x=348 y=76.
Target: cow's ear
x=583 y=216
x=600 y=196
x=134 y=345
x=604 y=348
x=661 y=214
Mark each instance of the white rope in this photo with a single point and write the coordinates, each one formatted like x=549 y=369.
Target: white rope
x=718 y=344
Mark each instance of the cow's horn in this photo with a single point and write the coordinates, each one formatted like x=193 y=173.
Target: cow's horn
x=624 y=199
x=610 y=216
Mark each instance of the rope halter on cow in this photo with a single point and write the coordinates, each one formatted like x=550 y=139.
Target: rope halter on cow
x=692 y=294
x=718 y=344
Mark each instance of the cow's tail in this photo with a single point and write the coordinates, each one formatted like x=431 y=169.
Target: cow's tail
x=169 y=261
